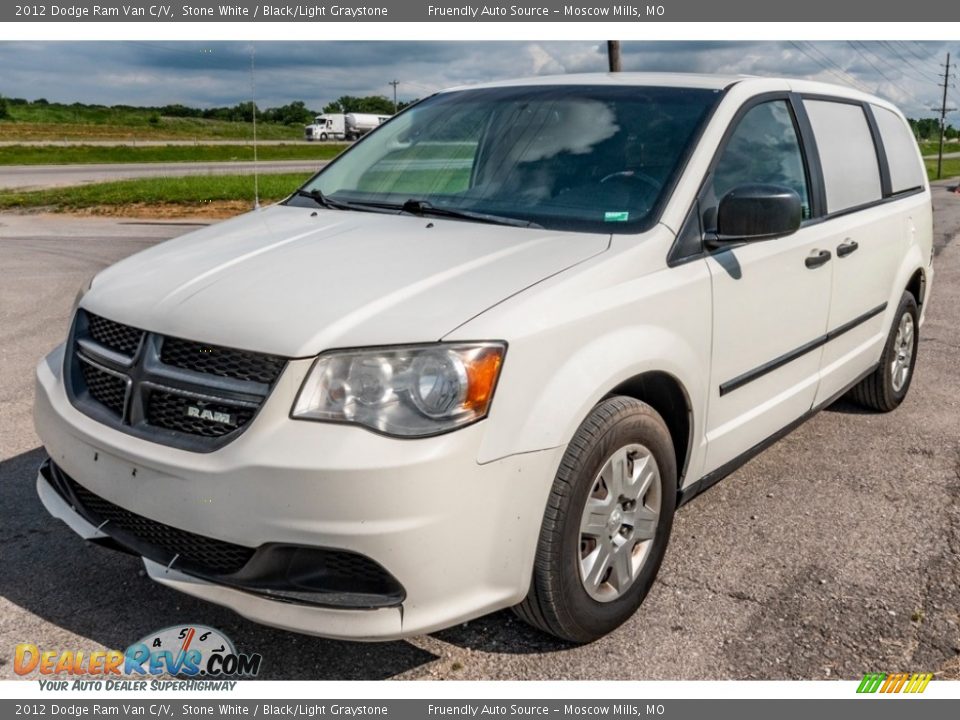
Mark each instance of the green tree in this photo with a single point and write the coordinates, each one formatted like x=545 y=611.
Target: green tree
x=178 y=110
x=4 y=108
x=295 y=113
x=375 y=104
x=925 y=128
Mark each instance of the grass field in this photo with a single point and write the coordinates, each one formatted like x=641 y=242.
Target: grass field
x=46 y=113
x=951 y=168
x=166 y=129
x=83 y=154
x=66 y=122
x=194 y=193
x=930 y=147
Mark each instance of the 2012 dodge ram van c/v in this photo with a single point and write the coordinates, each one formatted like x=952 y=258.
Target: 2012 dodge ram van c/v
x=479 y=359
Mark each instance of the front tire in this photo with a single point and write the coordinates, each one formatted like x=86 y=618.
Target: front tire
x=606 y=525
x=886 y=387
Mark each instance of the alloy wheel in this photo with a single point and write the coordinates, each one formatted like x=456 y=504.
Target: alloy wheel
x=619 y=522
x=902 y=353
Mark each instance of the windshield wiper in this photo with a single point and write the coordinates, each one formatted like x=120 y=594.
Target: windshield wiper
x=328 y=202
x=323 y=201
x=424 y=208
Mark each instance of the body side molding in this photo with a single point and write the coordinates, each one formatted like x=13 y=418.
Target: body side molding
x=777 y=362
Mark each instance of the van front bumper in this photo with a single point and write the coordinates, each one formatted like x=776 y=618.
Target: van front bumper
x=431 y=537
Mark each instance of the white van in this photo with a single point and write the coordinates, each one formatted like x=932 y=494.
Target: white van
x=479 y=359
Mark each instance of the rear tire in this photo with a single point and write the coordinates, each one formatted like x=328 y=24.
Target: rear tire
x=886 y=387
x=606 y=525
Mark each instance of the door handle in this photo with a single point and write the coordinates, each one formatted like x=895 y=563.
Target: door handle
x=817 y=258
x=845 y=248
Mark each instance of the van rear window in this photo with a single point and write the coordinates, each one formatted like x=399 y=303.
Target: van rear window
x=903 y=158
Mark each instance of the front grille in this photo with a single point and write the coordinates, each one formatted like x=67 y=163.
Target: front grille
x=196 y=551
x=221 y=361
x=357 y=569
x=122 y=338
x=169 y=390
x=183 y=414
x=106 y=388
x=289 y=573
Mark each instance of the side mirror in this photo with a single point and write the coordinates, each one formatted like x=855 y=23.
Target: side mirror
x=758 y=212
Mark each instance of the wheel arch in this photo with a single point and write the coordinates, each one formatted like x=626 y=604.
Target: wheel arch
x=917 y=286
x=667 y=395
x=911 y=276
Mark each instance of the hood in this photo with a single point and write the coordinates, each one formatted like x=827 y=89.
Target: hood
x=294 y=281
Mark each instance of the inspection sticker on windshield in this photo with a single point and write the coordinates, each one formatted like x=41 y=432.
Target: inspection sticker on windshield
x=621 y=216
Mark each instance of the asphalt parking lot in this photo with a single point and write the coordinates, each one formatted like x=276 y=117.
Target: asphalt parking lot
x=834 y=553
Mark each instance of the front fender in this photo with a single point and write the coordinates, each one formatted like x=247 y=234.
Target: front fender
x=578 y=335
x=553 y=404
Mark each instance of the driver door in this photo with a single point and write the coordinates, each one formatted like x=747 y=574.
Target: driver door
x=771 y=298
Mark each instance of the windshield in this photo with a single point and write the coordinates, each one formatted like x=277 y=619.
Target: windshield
x=563 y=157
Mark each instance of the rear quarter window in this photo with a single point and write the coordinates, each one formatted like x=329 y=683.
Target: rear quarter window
x=903 y=158
x=851 y=171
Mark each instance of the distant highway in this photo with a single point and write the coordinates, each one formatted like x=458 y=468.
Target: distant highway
x=47 y=176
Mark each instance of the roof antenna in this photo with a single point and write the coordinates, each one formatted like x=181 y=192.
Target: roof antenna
x=253 y=111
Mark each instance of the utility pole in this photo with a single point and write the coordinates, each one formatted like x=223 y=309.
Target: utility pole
x=613 y=55
x=943 y=116
x=943 y=110
x=253 y=110
x=394 y=83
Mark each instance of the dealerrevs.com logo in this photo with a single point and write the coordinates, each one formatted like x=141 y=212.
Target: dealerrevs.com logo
x=183 y=651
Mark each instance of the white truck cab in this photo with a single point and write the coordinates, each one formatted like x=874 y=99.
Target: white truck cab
x=326 y=127
x=480 y=358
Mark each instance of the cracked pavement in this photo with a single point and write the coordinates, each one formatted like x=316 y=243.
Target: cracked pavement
x=834 y=553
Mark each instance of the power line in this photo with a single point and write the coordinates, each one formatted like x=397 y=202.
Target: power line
x=422 y=87
x=956 y=99
x=871 y=63
x=914 y=42
x=856 y=81
x=922 y=75
x=910 y=50
x=882 y=74
x=924 y=80
x=849 y=79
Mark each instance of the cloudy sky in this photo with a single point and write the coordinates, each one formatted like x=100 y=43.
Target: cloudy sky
x=208 y=74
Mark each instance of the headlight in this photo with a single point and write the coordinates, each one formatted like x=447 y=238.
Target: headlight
x=410 y=391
